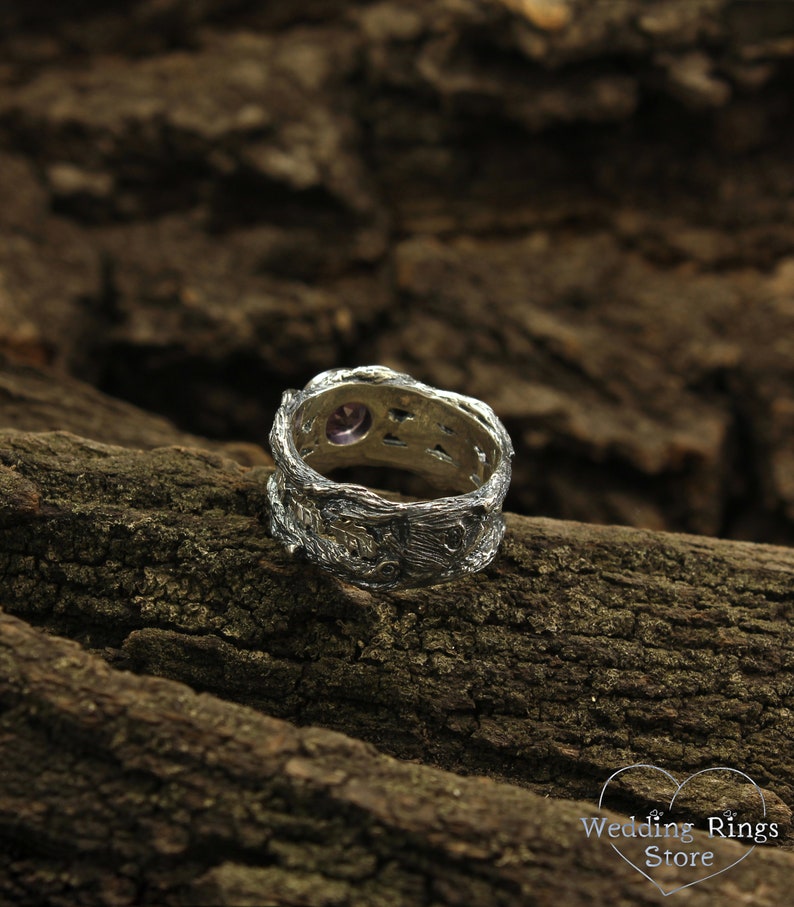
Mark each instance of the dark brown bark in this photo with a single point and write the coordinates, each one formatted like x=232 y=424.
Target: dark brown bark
x=35 y=399
x=581 y=650
x=159 y=796
x=580 y=211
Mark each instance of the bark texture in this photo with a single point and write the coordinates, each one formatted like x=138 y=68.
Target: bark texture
x=579 y=210
x=581 y=650
x=160 y=796
x=39 y=399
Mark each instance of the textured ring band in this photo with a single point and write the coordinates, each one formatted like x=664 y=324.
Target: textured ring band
x=373 y=416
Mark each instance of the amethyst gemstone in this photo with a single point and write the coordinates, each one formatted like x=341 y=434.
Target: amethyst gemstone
x=348 y=424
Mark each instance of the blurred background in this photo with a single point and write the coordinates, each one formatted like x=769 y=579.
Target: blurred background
x=579 y=211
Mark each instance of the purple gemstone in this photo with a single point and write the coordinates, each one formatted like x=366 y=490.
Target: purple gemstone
x=348 y=424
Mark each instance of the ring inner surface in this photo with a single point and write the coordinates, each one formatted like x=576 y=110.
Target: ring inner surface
x=377 y=425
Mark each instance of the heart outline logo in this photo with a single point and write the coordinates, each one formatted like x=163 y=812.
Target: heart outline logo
x=678 y=788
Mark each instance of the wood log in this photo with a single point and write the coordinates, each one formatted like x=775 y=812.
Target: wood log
x=579 y=210
x=40 y=399
x=133 y=791
x=582 y=649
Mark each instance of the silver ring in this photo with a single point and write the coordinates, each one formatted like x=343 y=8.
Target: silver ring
x=373 y=416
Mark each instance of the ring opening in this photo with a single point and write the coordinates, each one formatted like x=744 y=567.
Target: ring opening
x=397 y=431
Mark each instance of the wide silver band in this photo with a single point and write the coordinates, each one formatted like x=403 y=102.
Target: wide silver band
x=374 y=416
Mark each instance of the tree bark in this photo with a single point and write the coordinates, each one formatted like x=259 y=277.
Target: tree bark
x=579 y=211
x=160 y=796
x=38 y=399
x=582 y=649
